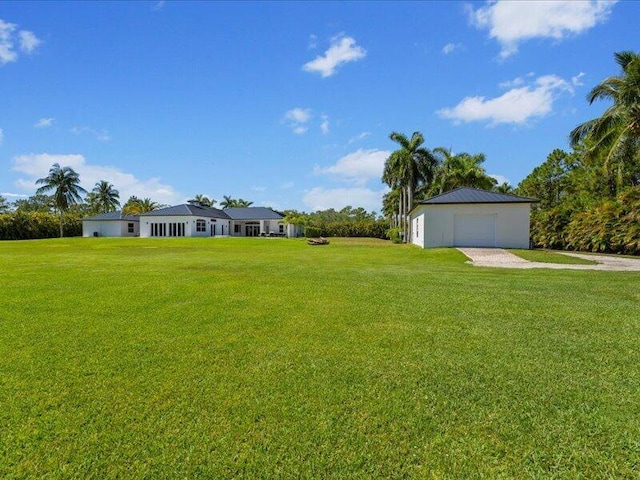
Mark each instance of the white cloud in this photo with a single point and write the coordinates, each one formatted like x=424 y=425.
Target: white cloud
x=360 y=136
x=100 y=135
x=324 y=126
x=577 y=80
x=320 y=198
x=259 y=189
x=7 y=53
x=358 y=167
x=517 y=106
x=297 y=119
x=44 y=122
x=342 y=50
x=300 y=115
x=13 y=195
x=451 y=47
x=36 y=166
x=511 y=23
x=27 y=41
x=1 y=136
x=313 y=42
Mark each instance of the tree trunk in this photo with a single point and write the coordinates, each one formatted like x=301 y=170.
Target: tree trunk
x=61 y=230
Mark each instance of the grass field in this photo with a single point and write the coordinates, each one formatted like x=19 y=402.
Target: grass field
x=268 y=358
x=548 y=256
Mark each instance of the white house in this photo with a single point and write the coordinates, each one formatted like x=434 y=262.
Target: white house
x=195 y=220
x=469 y=217
x=112 y=224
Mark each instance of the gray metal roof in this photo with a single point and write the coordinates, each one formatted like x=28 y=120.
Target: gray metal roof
x=475 y=195
x=252 y=213
x=187 y=210
x=109 y=216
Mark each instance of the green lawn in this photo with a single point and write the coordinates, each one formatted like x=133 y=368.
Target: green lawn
x=547 y=256
x=268 y=358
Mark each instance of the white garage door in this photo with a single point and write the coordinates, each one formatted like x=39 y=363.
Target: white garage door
x=474 y=231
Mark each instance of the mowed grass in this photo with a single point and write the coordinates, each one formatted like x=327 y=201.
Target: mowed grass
x=547 y=256
x=269 y=358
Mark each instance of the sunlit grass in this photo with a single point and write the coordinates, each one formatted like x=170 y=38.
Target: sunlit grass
x=547 y=256
x=271 y=358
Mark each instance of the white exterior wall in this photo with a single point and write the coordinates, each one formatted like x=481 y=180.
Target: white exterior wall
x=436 y=223
x=190 y=225
x=109 y=228
x=266 y=226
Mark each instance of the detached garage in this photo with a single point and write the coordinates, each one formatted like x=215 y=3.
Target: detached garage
x=468 y=217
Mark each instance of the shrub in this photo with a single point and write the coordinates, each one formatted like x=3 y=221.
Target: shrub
x=394 y=234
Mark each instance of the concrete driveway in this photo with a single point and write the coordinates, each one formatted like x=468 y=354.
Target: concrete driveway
x=497 y=257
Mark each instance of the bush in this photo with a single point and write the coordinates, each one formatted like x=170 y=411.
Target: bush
x=312 y=232
x=33 y=225
x=394 y=234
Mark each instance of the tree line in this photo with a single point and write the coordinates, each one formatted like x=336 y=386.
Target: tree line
x=590 y=196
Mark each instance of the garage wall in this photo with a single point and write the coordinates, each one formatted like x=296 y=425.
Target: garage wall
x=417 y=227
x=512 y=223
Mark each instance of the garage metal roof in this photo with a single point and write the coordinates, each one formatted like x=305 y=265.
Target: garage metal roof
x=475 y=195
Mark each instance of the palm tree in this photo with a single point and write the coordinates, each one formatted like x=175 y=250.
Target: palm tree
x=615 y=134
x=407 y=169
x=204 y=200
x=460 y=170
x=243 y=203
x=65 y=183
x=104 y=198
x=227 y=202
x=136 y=206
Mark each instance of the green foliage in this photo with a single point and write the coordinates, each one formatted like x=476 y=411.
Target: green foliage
x=35 y=203
x=229 y=202
x=312 y=232
x=395 y=235
x=22 y=225
x=4 y=205
x=136 y=206
x=612 y=226
x=348 y=222
x=459 y=170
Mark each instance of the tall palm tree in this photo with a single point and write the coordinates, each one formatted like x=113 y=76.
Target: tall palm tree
x=460 y=170
x=104 y=198
x=616 y=133
x=65 y=183
x=407 y=169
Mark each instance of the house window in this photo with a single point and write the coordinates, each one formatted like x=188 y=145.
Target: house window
x=417 y=235
x=130 y=227
x=281 y=228
x=236 y=228
x=201 y=226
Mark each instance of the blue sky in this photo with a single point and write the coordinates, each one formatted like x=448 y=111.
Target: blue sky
x=291 y=104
